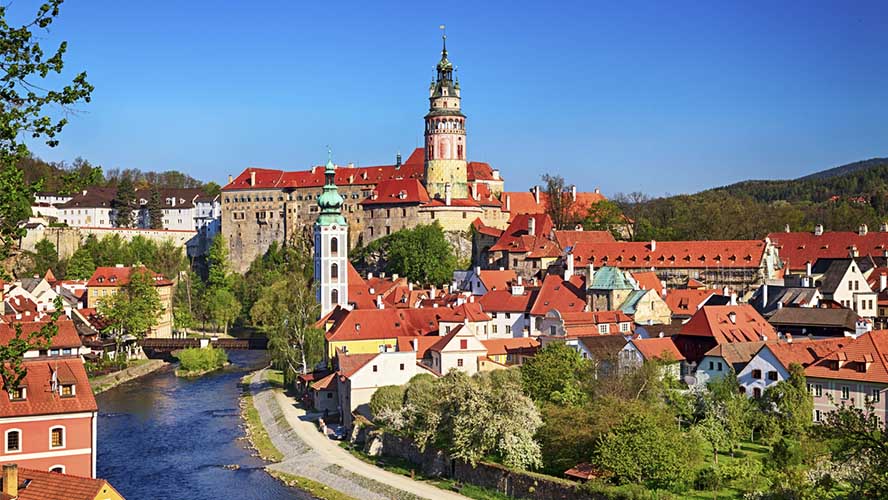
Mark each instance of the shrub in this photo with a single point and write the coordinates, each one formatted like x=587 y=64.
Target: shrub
x=199 y=360
x=387 y=398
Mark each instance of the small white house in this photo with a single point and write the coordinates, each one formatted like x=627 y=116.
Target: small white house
x=359 y=376
x=458 y=350
x=771 y=363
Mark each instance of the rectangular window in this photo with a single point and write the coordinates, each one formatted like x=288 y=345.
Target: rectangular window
x=493 y=329
x=603 y=329
x=877 y=395
x=756 y=374
x=402 y=366
x=508 y=315
x=624 y=327
x=57 y=438
x=772 y=375
x=67 y=390
x=459 y=362
x=711 y=366
x=846 y=392
x=13 y=441
x=719 y=366
x=552 y=330
x=509 y=329
x=817 y=415
x=375 y=368
x=818 y=390
x=18 y=394
x=463 y=344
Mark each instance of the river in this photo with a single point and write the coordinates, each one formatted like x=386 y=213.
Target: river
x=161 y=437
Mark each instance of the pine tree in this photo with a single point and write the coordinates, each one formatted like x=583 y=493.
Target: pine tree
x=155 y=210
x=124 y=201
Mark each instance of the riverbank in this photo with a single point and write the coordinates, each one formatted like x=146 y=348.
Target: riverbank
x=309 y=454
x=105 y=382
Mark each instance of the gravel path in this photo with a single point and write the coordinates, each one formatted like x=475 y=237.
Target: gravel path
x=308 y=453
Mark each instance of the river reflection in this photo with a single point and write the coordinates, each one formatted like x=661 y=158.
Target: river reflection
x=162 y=437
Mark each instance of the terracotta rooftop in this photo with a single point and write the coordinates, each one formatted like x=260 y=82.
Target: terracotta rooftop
x=798 y=248
x=672 y=254
x=648 y=280
x=504 y=301
x=524 y=202
x=685 y=301
x=725 y=324
x=398 y=191
x=863 y=359
x=65 y=337
x=497 y=280
x=40 y=399
x=349 y=364
x=120 y=276
x=556 y=293
x=522 y=345
x=366 y=324
x=42 y=485
x=571 y=238
x=658 y=348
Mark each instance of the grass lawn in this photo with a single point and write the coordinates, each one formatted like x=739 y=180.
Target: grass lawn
x=748 y=449
x=256 y=431
x=275 y=378
x=315 y=488
x=404 y=468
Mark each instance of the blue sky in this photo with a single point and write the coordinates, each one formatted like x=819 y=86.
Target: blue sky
x=661 y=97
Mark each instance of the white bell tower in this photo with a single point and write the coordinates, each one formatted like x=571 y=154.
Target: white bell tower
x=331 y=246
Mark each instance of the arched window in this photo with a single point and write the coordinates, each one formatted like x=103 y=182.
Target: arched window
x=334 y=245
x=459 y=152
x=13 y=440
x=334 y=297
x=58 y=469
x=57 y=437
x=334 y=272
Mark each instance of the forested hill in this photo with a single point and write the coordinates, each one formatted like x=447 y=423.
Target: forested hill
x=865 y=179
x=840 y=198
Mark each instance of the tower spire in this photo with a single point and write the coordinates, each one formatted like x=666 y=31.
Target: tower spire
x=443 y=41
x=330 y=201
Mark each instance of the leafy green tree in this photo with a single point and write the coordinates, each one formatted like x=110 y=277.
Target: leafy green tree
x=556 y=374
x=515 y=419
x=646 y=448
x=288 y=310
x=80 y=265
x=422 y=410
x=81 y=175
x=605 y=215
x=134 y=308
x=212 y=189
x=27 y=93
x=123 y=203
x=422 y=254
x=790 y=401
x=44 y=257
x=858 y=436
x=713 y=431
x=223 y=307
x=387 y=400
x=155 y=209
x=217 y=259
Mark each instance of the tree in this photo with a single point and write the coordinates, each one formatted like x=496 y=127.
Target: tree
x=155 y=210
x=80 y=265
x=123 y=203
x=26 y=93
x=859 y=436
x=217 y=260
x=556 y=374
x=44 y=257
x=515 y=419
x=288 y=310
x=790 y=401
x=712 y=430
x=81 y=175
x=223 y=307
x=387 y=400
x=134 y=308
x=559 y=202
x=605 y=216
x=422 y=255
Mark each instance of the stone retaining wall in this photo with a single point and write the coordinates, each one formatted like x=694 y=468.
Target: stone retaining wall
x=105 y=382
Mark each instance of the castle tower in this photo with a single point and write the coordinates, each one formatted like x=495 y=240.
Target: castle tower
x=445 y=134
x=331 y=245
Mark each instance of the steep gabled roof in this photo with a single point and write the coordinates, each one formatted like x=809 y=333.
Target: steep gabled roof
x=517 y=237
x=686 y=301
x=497 y=280
x=658 y=348
x=41 y=399
x=736 y=353
x=725 y=324
x=863 y=359
x=397 y=191
x=648 y=280
x=505 y=301
x=44 y=485
x=66 y=336
x=556 y=293
x=120 y=276
x=486 y=230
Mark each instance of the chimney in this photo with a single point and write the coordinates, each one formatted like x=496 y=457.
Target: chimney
x=536 y=194
x=573 y=192
x=10 y=480
x=531 y=226
x=653 y=246
x=733 y=299
x=862 y=230
x=853 y=252
x=395 y=277
x=786 y=228
x=252 y=177
x=447 y=194
x=732 y=317
x=806 y=282
x=883 y=227
x=398 y=160
x=808 y=269
x=433 y=292
x=764 y=295
x=597 y=190
x=410 y=286
x=83 y=192
x=413 y=342
x=569 y=269
x=477 y=270
x=508 y=203
x=779 y=304
x=788 y=338
x=818 y=230
x=379 y=304
x=590 y=273
x=230 y=178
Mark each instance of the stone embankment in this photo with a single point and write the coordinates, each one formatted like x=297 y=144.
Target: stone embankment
x=105 y=382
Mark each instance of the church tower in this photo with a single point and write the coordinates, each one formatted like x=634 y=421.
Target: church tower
x=445 y=135
x=331 y=245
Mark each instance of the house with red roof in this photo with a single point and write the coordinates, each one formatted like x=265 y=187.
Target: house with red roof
x=853 y=374
x=358 y=376
x=800 y=248
x=458 y=350
x=714 y=325
x=21 y=483
x=737 y=264
x=511 y=351
x=557 y=293
x=106 y=281
x=509 y=310
x=654 y=350
x=685 y=302
x=772 y=361
x=49 y=421
x=482 y=281
x=526 y=246
x=536 y=201
x=66 y=341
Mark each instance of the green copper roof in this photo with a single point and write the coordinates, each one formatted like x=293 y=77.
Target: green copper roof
x=330 y=201
x=610 y=278
x=631 y=303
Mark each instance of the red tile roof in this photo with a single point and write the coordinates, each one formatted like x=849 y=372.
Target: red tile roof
x=798 y=248
x=497 y=280
x=483 y=195
x=518 y=345
x=804 y=351
x=565 y=296
x=504 y=301
x=366 y=324
x=359 y=291
x=326 y=383
x=648 y=280
x=523 y=202
x=471 y=311
x=686 y=301
x=349 y=364
x=863 y=359
x=486 y=230
x=43 y=485
x=658 y=348
x=672 y=254
x=571 y=238
x=585 y=323
x=40 y=399
x=405 y=344
x=66 y=336
x=715 y=322
x=406 y=191
x=517 y=237
x=120 y=276
x=480 y=171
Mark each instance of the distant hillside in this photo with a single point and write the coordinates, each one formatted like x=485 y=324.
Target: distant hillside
x=840 y=198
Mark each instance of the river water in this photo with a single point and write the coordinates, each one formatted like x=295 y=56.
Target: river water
x=161 y=437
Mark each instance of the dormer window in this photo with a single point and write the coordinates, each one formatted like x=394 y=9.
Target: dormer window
x=18 y=394
x=67 y=390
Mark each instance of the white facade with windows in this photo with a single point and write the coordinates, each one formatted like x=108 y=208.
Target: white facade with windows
x=763 y=371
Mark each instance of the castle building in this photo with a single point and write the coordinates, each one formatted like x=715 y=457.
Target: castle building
x=331 y=246
x=435 y=184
